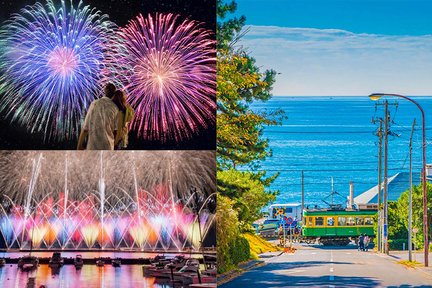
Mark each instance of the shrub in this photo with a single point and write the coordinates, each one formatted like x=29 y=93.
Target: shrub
x=239 y=250
x=398 y=244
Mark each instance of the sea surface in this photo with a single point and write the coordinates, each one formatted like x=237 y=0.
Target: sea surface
x=334 y=138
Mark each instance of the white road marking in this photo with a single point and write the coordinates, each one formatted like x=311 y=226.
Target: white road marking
x=349 y=253
x=288 y=271
x=313 y=253
x=331 y=277
x=295 y=271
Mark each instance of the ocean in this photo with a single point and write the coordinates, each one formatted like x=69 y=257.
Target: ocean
x=334 y=138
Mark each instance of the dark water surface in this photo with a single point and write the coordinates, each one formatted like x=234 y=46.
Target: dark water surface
x=126 y=276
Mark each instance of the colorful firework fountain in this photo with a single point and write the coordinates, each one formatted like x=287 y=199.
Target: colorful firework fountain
x=168 y=69
x=121 y=200
x=51 y=60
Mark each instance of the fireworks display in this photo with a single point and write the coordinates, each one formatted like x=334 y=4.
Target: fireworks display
x=50 y=62
x=56 y=57
x=151 y=170
x=168 y=69
x=134 y=200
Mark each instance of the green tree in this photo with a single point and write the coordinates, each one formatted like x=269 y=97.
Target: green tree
x=248 y=193
x=401 y=214
x=226 y=221
x=227 y=29
x=240 y=129
x=398 y=217
x=397 y=231
x=240 y=141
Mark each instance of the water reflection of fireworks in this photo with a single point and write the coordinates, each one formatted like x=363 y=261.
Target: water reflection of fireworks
x=137 y=200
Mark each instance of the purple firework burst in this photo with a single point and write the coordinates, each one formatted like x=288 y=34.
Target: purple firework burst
x=168 y=68
x=51 y=61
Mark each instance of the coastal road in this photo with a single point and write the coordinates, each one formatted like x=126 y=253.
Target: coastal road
x=331 y=267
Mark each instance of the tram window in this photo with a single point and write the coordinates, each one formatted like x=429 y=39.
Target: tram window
x=330 y=221
x=310 y=221
x=341 y=221
x=360 y=220
x=368 y=221
x=319 y=221
x=350 y=221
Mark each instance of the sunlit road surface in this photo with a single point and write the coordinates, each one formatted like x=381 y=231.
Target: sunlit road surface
x=332 y=267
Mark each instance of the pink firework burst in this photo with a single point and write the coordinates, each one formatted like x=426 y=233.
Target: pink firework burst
x=168 y=69
x=62 y=61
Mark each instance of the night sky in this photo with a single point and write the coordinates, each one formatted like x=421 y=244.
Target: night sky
x=120 y=11
x=13 y=136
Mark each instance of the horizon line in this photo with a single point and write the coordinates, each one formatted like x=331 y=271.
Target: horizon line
x=362 y=95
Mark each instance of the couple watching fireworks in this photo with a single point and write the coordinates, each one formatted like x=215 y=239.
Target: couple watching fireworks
x=106 y=125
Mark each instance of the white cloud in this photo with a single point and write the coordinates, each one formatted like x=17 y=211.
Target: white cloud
x=337 y=62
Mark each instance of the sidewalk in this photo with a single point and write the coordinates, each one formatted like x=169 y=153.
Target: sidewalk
x=416 y=256
x=242 y=267
x=245 y=266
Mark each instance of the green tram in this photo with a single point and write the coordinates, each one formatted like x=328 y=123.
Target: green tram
x=337 y=227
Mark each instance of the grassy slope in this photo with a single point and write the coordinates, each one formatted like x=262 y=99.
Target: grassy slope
x=259 y=245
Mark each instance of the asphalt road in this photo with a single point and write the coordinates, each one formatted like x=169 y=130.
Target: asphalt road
x=319 y=267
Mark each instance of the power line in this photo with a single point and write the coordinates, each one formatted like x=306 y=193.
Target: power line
x=317 y=162
x=323 y=170
x=319 y=132
x=329 y=132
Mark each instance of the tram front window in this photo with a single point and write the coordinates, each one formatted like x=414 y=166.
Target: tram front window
x=319 y=221
x=368 y=221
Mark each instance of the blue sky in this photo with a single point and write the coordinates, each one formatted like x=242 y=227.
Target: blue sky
x=342 y=47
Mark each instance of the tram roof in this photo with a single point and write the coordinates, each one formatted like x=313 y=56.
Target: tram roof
x=325 y=212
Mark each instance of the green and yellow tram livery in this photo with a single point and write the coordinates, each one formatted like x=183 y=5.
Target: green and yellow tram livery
x=337 y=227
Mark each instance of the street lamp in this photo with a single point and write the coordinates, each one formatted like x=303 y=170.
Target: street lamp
x=376 y=96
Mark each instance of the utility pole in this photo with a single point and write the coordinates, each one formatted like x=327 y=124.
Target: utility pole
x=380 y=134
x=383 y=196
x=376 y=96
x=303 y=198
x=386 y=130
x=410 y=197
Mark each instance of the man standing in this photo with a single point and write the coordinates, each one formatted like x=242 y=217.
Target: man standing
x=100 y=124
x=361 y=243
